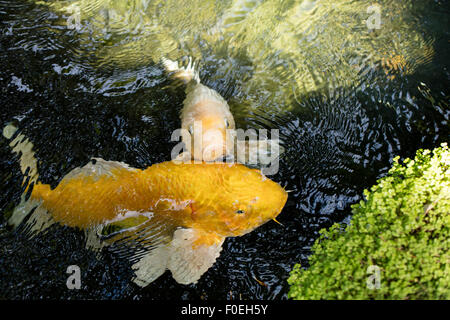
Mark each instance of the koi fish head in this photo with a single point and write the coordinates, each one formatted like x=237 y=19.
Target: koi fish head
x=238 y=201
x=210 y=125
x=211 y=134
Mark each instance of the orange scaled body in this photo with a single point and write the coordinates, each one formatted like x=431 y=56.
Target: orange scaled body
x=224 y=199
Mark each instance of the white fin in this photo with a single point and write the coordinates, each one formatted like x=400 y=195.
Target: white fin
x=134 y=242
x=186 y=74
x=31 y=217
x=28 y=166
x=145 y=245
x=23 y=147
x=196 y=92
x=257 y=152
x=96 y=168
x=93 y=240
x=151 y=266
x=21 y=211
x=40 y=220
x=188 y=263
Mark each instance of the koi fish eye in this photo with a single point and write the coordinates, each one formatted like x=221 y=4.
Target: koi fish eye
x=191 y=129
x=240 y=211
x=227 y=124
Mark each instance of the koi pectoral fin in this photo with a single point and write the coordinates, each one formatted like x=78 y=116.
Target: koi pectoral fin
x=191 y=253
x=135 y=239
x=151 y=266
x=142 y=239
x=97 y=168
x=158 y=244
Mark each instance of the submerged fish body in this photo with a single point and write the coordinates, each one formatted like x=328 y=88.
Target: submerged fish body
x=205 y=115
x=172 y=215
x=209 y=127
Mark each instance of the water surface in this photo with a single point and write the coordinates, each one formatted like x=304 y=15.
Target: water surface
x=83 y=79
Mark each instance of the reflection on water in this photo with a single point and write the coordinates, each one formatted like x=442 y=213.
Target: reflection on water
x=83 y=79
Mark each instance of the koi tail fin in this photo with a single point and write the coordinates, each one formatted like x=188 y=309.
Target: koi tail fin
x=38 y=217
x=185 y=74
x=24 y=148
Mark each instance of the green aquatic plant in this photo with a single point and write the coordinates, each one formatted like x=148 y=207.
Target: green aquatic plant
x=397 y=245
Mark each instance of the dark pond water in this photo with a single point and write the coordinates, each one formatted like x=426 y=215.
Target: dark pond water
x=81 y=79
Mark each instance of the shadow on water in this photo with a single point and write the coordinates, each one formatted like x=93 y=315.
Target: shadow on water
x=338 y=139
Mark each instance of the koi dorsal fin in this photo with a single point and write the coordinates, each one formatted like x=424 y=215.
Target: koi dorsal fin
x=97 y=168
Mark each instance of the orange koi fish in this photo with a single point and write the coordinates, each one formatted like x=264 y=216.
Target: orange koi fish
x=171 y=215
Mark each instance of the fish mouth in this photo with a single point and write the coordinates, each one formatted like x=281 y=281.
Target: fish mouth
x=281 y=207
